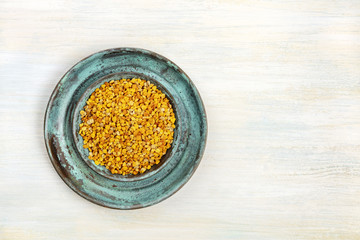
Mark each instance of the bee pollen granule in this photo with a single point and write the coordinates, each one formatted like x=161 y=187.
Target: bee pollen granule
x=127 y=125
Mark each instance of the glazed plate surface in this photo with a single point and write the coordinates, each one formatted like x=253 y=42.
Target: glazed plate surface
x=96 y=183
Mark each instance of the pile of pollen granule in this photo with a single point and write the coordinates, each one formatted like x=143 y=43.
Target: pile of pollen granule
x=127 y=125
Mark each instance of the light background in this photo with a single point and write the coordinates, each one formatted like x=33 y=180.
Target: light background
x=281 y=85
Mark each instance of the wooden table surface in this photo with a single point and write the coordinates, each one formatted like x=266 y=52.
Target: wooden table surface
x=281 y=85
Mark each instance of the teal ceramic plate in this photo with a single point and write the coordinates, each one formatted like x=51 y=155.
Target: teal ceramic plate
x=96 y=183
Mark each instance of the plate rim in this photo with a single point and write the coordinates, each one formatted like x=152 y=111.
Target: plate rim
x=70 y=184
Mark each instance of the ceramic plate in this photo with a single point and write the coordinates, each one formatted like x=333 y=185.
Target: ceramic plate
x=96 y=183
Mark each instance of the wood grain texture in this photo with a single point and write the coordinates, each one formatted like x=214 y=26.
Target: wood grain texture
x=281 y=84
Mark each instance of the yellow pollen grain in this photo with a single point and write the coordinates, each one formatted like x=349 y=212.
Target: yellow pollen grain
x=127 y=126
